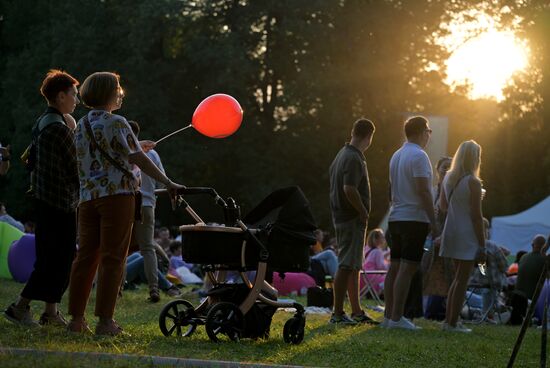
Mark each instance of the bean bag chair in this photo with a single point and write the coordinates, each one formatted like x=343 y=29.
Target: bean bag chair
x=21 y=258
x=8 y=234
x=173 y=279
x=293 y=283
x=544 y=294
x=187 y=277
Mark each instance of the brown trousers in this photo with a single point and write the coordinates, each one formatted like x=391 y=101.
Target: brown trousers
x=105 y=228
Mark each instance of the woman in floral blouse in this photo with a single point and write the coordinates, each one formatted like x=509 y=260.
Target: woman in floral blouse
x=107 y=201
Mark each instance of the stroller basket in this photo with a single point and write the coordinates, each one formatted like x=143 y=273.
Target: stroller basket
x=205 y=244
x=282 y=222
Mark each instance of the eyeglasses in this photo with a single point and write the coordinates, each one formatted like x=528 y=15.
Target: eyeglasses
x=428 y=130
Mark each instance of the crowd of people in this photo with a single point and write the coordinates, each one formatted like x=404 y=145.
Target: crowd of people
x=99 y=166
x=436 y=236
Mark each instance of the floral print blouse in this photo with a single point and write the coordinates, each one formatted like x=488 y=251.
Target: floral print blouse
x=98 y=177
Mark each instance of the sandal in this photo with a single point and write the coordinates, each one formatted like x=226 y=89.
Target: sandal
x=79 y=326
x=111 y=328
x=57 y=320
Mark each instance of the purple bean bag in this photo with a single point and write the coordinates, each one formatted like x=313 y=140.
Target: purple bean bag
x=21 y=258
x=544 y=294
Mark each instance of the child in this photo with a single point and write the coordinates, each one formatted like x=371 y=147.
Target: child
x=180 y=268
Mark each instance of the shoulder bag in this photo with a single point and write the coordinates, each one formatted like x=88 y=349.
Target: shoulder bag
x=95 y=146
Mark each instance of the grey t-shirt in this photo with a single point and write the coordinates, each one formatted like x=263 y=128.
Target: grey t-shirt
x=348 y=168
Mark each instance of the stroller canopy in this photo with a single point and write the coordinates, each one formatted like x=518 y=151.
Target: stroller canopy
x=287 y=209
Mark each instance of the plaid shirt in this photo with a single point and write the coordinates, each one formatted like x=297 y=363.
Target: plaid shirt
x=55 y=178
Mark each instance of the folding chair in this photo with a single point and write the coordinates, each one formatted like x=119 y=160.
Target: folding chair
x=478 y=315
x=368 y=287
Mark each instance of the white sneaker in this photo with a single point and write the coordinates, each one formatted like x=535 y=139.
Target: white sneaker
x=385 y=323
x=458 y=328
x=404 y=324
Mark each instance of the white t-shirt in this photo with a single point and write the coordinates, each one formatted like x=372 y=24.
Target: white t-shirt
x=98 y=177
x=407 y=163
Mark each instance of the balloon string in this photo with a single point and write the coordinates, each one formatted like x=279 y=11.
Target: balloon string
x=171 y=134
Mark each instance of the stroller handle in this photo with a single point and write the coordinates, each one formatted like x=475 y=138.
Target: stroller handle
x=191 y=190
x=196 y=190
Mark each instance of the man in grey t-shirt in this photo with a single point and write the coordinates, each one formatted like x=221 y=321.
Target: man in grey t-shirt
x=350 y=207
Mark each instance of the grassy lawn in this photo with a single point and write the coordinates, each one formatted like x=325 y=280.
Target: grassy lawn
x=324 y=344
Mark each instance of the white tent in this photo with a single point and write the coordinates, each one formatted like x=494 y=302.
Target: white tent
x=516 y=232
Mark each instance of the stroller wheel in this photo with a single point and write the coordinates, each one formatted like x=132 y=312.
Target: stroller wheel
x=175 y=315
x=293 y=332
x=224 y=318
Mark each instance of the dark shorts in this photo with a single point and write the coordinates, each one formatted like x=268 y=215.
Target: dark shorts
x=406 y=239
x=350 y=239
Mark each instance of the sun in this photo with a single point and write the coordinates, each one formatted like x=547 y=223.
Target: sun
x=486 y=63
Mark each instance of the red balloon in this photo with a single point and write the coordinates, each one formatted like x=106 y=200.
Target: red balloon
x=218 y=116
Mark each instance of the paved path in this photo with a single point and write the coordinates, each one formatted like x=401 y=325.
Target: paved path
x=147 y=359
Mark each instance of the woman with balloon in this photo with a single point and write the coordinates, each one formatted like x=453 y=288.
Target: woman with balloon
x=107 y=204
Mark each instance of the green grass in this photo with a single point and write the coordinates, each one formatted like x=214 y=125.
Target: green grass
x=324 y=344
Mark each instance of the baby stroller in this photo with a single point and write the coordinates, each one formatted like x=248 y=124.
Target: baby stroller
x=275 y=235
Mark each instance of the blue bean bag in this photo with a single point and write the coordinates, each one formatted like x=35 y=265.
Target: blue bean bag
x=544 y=295
x=21 y=258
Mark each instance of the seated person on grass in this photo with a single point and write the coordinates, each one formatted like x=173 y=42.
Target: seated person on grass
x=529 y=270
x=181 y=269
x=164 y=238
x=135 y=274
x=374 y=259
x=323 y=263
x=494 y=278
x=5 y=217
x=513 y=269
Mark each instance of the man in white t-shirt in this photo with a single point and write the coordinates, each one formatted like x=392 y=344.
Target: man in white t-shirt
x=411 y=218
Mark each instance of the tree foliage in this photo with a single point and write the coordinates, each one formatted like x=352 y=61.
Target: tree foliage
x=302 y=70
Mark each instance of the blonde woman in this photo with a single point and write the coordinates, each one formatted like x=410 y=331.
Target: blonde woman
x=462 y=239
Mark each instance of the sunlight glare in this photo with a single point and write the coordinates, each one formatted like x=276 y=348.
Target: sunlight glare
x=486 y=63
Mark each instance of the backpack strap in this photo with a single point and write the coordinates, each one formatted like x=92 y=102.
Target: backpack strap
x=48 y=119
x=44 y=121
x=29 y=155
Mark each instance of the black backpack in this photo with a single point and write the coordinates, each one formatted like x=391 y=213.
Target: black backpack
x=29 y=155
